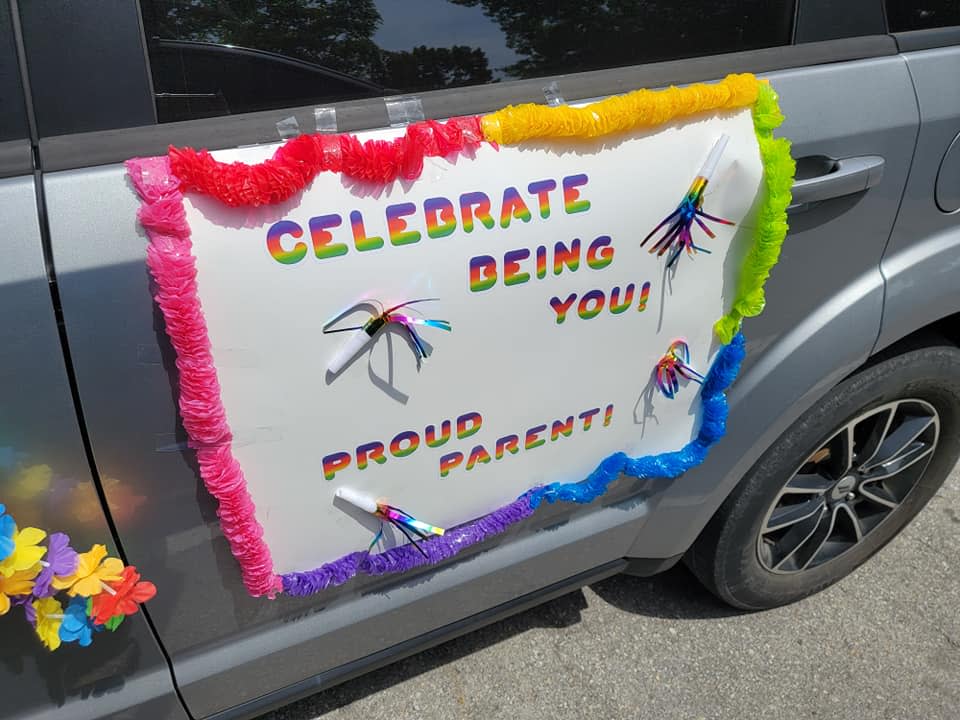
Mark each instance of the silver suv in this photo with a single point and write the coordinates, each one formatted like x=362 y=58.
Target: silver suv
x=843 y=423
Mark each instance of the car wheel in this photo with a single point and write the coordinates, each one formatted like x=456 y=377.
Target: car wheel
x=838 y=485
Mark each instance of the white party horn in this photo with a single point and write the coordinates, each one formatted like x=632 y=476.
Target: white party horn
x=713 y=159
x=355 y=344
x=357 y=499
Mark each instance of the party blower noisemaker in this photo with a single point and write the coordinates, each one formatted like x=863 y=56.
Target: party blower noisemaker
x=401 y=520
x=364 y=334
x=679 y=233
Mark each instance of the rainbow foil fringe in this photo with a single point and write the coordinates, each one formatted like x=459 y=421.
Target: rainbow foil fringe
x=673 y=365
x=161 y=181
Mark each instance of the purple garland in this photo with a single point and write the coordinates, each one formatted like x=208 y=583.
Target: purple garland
x=665 y=465
x=406 y=557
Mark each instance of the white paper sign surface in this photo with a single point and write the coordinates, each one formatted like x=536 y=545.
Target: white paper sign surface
x=548 y=368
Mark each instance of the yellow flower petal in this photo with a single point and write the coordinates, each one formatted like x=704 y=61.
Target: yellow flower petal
x=30 y=573
x=89 y=560
x=48 y=628
x=111 y=570
x=31 y=535
x=91 y=573
x=26 y=552
x=86 y=587
x=62 y=583
x=19 y=583
x=27 y=557
x=86 y=563
x=50 y=635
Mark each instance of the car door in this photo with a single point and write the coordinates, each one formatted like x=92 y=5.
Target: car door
x=45 y=474
x=920 y=263
x=846 y=98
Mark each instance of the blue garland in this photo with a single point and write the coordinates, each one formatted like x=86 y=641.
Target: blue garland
x=665 y=465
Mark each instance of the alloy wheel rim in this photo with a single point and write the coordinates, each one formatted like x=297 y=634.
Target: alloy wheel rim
x=849 y=486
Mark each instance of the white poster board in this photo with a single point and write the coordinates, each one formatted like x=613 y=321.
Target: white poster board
x=570 y=393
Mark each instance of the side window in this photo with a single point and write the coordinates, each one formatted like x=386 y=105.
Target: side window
x=13 y=118
x=218 y=57
x=905 y=15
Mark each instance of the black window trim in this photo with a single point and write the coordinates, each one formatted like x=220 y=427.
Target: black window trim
x=928 y=39
x=67 y=152
x=16 y=158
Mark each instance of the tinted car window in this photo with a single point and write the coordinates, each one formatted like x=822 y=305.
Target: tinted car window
x=214 y=57
x=13 y=119
x=922 y=14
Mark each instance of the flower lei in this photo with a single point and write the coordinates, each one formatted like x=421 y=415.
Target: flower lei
x=101 y=589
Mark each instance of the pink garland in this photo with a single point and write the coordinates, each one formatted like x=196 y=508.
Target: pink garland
x=171 y=263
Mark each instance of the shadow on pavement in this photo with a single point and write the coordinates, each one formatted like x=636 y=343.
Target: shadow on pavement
x=675 y=594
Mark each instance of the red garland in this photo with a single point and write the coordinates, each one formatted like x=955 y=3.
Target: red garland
x=299 y=160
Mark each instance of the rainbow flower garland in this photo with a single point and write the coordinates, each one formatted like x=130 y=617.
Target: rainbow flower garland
x=162 y=181
x=102 y=591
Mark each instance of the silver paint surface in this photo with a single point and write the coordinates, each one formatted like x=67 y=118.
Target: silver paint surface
x=45 y=482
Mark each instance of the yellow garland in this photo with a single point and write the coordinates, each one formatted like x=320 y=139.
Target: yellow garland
x=618 y=113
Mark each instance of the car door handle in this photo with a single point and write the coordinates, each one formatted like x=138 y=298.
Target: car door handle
x=841 y=177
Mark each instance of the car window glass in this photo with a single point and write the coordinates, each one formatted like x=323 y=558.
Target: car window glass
x=13 y=119
x=905 y=15
x=214 y=57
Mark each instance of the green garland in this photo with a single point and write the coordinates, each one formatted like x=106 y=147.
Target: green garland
x=771 y=225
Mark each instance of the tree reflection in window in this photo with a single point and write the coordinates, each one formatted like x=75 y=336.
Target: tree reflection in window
x=337 y=34
x=563 y=36
x=213 y=57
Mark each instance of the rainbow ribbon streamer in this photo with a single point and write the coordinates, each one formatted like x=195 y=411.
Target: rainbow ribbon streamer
x=408 y=322
x=679 y=232
x=403 y=521
x=675 y=365
x=366 y=332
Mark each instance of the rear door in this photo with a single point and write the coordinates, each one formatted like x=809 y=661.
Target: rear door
x=109 y=90
x=45 y=473
x=926 y=241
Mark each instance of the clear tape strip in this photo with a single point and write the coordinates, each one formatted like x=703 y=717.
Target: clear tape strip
x=224 y=357
x=236 y=357
x=553 y=95
x=175 y=442
x=325 y=119
x=404 y=110
x=288 y=128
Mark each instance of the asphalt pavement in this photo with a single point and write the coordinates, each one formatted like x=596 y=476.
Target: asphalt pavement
x=882 y=644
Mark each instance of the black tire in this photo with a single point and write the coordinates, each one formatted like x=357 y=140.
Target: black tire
x=726 y=557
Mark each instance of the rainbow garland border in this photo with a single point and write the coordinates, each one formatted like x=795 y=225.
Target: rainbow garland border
x=161 y=182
